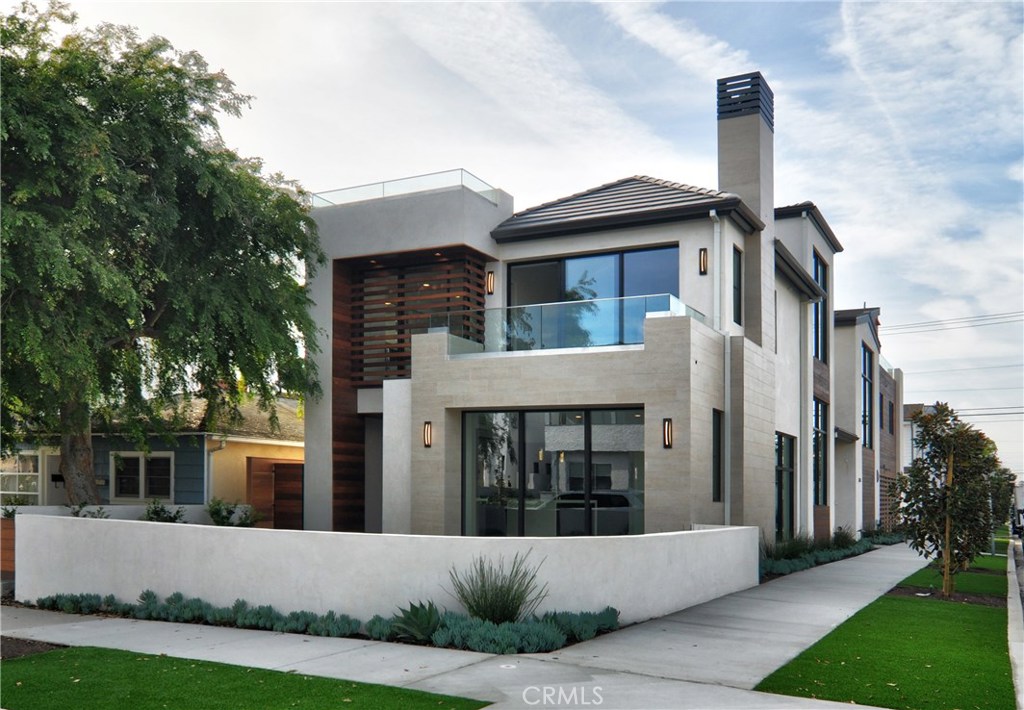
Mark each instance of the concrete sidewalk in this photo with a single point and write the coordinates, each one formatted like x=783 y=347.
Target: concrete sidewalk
x=708 y=656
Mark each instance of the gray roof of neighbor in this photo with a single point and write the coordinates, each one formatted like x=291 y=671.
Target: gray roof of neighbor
x=797 y=210
x=628 y=202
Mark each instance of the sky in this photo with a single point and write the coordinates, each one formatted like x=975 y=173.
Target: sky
x=902 y=121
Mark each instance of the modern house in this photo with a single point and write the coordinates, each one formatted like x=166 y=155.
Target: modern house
x=642 y=356
x=868 y=423
x=249 y=461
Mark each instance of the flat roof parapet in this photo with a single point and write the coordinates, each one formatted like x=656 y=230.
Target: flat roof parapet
x=405 y=186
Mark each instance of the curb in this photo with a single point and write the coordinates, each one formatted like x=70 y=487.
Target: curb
x=1015 y=621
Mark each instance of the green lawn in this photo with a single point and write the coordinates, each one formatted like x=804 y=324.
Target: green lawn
x=964 y=582
x=92 y=678
x=992 y=562
x=907 y=652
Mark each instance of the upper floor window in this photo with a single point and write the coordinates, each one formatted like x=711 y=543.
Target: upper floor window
x=737 y=286
x=819 y=271
x=867 y=383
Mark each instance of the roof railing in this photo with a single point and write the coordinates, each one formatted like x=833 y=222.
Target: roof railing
x=406 y=186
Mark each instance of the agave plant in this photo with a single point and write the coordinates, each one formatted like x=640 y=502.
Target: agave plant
x=417 y=623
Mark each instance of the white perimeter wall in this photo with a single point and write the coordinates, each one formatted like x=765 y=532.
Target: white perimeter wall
x=359 y=574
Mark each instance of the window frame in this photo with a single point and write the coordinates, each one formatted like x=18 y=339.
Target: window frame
x=737 y=285
x=819 y=451
x=867 y=367
x=717 y=454
x=143 y=467
x=38 y=473
x=819 y=316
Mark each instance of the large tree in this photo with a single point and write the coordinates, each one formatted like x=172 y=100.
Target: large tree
x=143 y=261
x=954 y=493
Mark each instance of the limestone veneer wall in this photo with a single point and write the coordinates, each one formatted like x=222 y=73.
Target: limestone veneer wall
x=360 y=574
x=677 y=373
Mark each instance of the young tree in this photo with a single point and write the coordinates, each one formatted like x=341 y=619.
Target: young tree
x=946 y=498
x=143 y=260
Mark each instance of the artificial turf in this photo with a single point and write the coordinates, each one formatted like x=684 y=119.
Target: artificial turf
x=907 y=652
x=93 y=678
x=963 y=582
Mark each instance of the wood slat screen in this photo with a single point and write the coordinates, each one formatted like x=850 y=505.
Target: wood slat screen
x=391 y=301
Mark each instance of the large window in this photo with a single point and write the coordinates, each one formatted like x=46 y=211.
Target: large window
x=553 y=473
x=784 y=485
x=819 y=452
x=592 y=281
x=820 y=315
x=19 y=479
x=140 y=477
x=867 y=418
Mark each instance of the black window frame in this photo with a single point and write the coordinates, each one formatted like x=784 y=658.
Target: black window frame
x=717 y=454
x=820 y=320
x=737 y=285
x=867 y=370
x=819 y=451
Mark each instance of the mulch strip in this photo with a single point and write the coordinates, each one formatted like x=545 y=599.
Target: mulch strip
x=11 y=647
x=981 y=599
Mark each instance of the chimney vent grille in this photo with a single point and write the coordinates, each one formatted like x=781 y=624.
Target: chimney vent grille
x=745 y=95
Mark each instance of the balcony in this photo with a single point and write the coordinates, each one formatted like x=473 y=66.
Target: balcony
x=406 y=186
x=597 y=323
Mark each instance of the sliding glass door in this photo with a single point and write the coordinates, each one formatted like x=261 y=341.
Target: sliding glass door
x=548 y=473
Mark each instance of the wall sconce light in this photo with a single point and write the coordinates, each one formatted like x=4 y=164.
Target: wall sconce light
x=540 y=454
x=666 y=433
x=428 y=434
x=702 y=261
x=489 y=283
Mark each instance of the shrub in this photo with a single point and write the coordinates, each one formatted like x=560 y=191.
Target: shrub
x=337 y=625
x=843 y=538
x=379 y=629
x=79 y=511
x=157 y=512
x=417 y=623
x=490 y=592
x=585 y=625
x=228 y=514
x=469 y=633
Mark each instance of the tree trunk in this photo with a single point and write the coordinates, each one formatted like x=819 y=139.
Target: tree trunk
x=76 y=454
x=947 y=554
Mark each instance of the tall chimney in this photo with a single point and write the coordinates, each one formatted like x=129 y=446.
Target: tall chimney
x=746 y=142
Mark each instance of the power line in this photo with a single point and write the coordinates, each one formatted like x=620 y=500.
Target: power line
x=964 y=369
x=953 y=327
x=969 y=389
x=985 y=409
x=945 y=321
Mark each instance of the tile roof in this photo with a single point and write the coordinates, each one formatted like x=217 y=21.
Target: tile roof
x=627 y=202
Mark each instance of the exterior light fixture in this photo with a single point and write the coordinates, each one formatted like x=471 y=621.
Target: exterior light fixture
x=489 y=283
x=702 y=261
x=561 y=457
x=666 y=433
x=540 y=454
x=428 y=434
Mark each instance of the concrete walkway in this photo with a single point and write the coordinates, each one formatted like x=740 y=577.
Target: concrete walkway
x=708 y=656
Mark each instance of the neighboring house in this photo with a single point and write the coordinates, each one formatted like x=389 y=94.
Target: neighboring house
x=868 y=428
x=249 y=462
x=640 y=357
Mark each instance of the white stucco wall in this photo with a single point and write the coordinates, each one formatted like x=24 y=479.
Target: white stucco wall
x=365 y=574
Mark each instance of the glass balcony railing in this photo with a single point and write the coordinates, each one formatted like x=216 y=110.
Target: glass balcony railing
x=548 y=326
x=405 y=186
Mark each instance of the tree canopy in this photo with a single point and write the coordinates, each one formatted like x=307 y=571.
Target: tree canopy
x=143 y=260
x=956 y=477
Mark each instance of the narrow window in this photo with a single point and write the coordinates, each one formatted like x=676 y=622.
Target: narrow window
x=737 y=286
x=867 y=396
x=820 y=452
x=892 y=416
x=784 y=479
x=716 y=456
x=820 y=315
